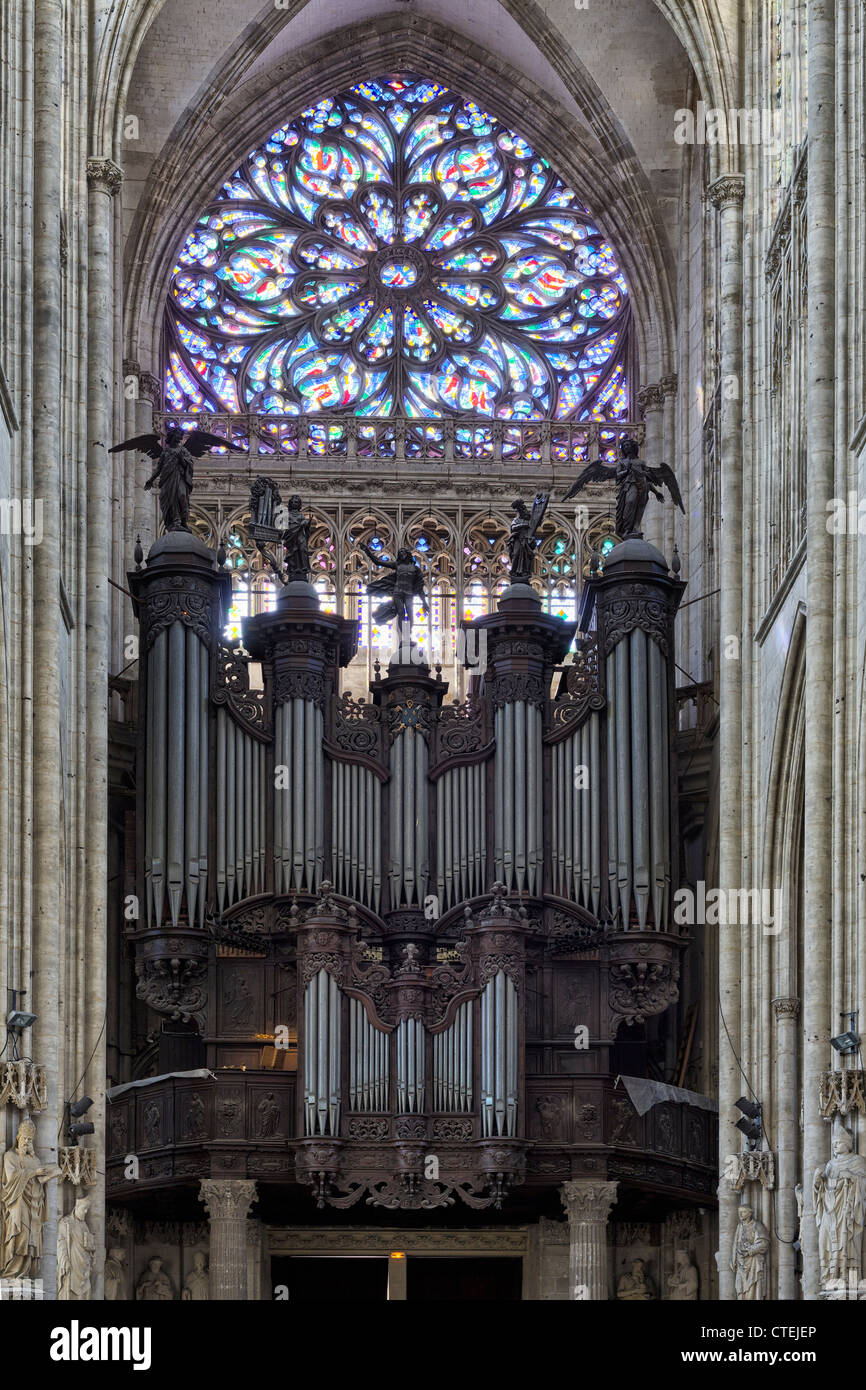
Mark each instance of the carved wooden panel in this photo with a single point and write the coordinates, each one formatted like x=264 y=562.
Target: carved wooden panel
x=240 y=1007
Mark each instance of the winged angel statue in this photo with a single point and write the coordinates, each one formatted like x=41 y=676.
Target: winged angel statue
x=635 y=480
x=174 y=470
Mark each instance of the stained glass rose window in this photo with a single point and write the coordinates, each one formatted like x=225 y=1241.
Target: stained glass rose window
x=397 y=251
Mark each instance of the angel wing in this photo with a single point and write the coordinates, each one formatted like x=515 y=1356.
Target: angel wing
x=199 y=441
x=149 y=444
x=595 y=473
x=665 y=474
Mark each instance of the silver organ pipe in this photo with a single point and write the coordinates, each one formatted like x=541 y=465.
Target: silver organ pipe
x=299 y=813
x=499 y=1056
x=322 y=1044
x=176 y=775
x=576 y=815
x=452 y=1063
x=638 y=755
x=410 y=1046
x=518 y=813
x=461 y=804
x=356 y=861
x=368 y=1061
x=240 y=812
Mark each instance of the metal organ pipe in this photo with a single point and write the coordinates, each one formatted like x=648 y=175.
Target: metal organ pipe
x=191 y=857
x=499 y=1056
x=158 y=668
x=175 y=766
x=622 y=701
x=640 y=773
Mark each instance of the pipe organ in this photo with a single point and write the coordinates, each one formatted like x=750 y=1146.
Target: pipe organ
x=432 y=896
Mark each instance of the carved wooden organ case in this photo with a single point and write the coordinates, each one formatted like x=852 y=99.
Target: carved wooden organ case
x=429 y=897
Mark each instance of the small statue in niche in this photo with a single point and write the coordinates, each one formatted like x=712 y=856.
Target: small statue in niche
x=175 y=465
x=411 y=960
x=115 y=1274
x=635 y=480
x=239 y=1001
x=523 y=540
x=683 y=1281
x=399 y=589
x=269 y=1112
x=22 y=1205
x=154 y=1286
x=152 y=1125
x=635 y=1286
x=194 y=1126
x=839 y=1190
x=196 y=1285
x=75 y=1247
x=749 y=1256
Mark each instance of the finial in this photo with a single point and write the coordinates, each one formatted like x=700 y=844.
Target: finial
x=138 y=553
x=221 y=555
x=676 y=562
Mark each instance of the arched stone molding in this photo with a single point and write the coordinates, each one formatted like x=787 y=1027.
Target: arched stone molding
x=199 y=155
x=776 y=1049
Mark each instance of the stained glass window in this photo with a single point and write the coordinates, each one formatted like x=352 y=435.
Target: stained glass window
x=396 y=250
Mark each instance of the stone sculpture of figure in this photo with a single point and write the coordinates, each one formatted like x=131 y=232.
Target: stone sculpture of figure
x=839 y=1190
x=635 y=480
x=523 y=540
x=399 y=589
x=635 y=1286
x=22 y=1205
x=749 y=1256
x=154 y=1286
x=196 y=1285
x=75 y=1247
x=115 y=1274
x=175 y=464
x=683 y=1282
x=269 y=1116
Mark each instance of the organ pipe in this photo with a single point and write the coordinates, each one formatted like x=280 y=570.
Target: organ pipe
x=499 y=1056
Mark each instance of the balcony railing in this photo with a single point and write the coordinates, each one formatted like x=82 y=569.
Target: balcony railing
x=370 y=439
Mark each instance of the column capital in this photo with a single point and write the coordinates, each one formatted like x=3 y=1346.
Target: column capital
x=727 y=191
x=669 y=384
x=786 y=1008
x=588 y=1200
x=104 y=175
x=651 y=398
x=227 y=1199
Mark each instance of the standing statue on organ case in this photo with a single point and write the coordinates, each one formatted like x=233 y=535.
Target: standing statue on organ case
x=524 y=540
x=399 y=589
x=175 y=466
x=283 y=525
x=635 y=480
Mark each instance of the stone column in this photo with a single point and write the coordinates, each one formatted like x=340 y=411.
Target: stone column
x=587 y=1206
x=103 y=182
x=651 y=400
x=227 y=1202
x=821 y=717
x=786 y=1012
x=727 y=193
x=670 y=515
x=47 y=908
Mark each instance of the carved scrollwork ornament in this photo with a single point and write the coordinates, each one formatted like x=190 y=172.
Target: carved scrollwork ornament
x=513 y=686
x=184 y=602
x=300 y=685
x=461 y=728
x=641 y=609
x=232 y=688
x=640 y=989
x=175 y=987
x=357 y=725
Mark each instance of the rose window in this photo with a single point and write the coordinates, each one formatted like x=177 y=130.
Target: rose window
x=397 y=251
